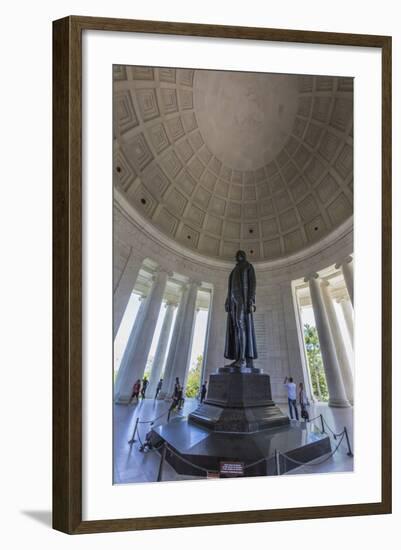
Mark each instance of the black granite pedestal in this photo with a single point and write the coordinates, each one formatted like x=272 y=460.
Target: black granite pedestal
x=238 y=422
x=240 y=401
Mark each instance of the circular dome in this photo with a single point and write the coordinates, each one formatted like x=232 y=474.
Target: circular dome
x=221 y=161
x=245 y=118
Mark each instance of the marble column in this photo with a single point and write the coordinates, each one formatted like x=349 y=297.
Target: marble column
x=179 y=355
x=130 y=344
x=124 y=288
x=345 y=367
x=337 y=395
x=347 y=268
x=161 y=350
x=348 y=317
x=168 y=380
x=214 y=350
x=135 y=358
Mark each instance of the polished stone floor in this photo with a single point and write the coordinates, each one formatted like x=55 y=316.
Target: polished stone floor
x=133 y=466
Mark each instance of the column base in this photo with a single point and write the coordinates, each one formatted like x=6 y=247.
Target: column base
x=339 y=403
x=122 y=399
x=163 y=395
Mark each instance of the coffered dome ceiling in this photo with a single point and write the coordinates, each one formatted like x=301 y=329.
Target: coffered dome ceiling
x=221 y=160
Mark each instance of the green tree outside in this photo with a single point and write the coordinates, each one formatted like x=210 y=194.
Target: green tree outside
x=315 y=363
x=194 y=377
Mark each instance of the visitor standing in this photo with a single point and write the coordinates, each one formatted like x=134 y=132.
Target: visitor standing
x=159 y=387
x=136 y=388
x=303 y=401
x=145 y=383
x=176 y=386
x=176 y=398
x=203 y=392
x=292 y=396
x=180 y=397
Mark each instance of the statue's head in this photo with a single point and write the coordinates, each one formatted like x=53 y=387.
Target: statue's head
x=240 y=256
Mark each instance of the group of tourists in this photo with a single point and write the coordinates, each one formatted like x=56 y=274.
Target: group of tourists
x=292 y=398
x=139 y=389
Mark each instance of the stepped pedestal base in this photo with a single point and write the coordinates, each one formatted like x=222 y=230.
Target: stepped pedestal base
x=238 y=422
x=190 y=446
x=238 y=401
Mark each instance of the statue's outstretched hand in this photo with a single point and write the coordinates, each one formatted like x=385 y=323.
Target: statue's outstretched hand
x=251 y=307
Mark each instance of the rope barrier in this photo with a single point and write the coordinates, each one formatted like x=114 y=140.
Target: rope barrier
x=314 y=463
x=154 y=420
x=207 y=470
x=315 y=418
x=331 y=430
x=151 y=422
x=276 y=456
x=263 y=459
x=200 y=468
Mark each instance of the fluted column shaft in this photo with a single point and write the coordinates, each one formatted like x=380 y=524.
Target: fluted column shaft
x=161 y=350
x=214 y=352
x=136 y=357
x=178 y=360
x=349 y=321
x=347 y=268
x=337 y=395
x=168 y=380
x=342 y=356
x=130 y=344
x=124 y=288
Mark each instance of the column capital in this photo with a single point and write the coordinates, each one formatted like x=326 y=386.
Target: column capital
x=161 y=271
x=194 y=282
x=190 y=285
x=173 y=303
x=342 y=299
x=311 y=276
x=346 y=260
x=325 y=282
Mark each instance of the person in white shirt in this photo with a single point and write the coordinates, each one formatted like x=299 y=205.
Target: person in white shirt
x=292 y=396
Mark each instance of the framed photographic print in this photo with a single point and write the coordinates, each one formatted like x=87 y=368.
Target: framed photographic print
x=222 y=274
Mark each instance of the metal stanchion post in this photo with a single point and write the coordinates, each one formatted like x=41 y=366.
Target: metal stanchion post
x=277 y=457
x=350 y=453
x=322 y=421
x=132 y=440
x=162 y=458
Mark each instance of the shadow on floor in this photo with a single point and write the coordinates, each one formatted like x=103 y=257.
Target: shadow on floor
x=41 y=516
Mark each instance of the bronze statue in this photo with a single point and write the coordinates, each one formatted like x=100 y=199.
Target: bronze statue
x=240 y=305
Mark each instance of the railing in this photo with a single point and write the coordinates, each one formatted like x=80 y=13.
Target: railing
x=344 y=433
x=150 y=422
x=164 y=448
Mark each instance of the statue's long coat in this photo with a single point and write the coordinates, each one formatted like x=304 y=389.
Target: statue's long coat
x=241 y=294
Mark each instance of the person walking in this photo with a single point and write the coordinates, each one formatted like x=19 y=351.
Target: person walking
x=176 y=386
x=203 y=392
x=136 y=388
x=159 y=387
x=303 y=401
x=292 y=396
x=176 y=399
x=180 y=397
x=145 y=383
